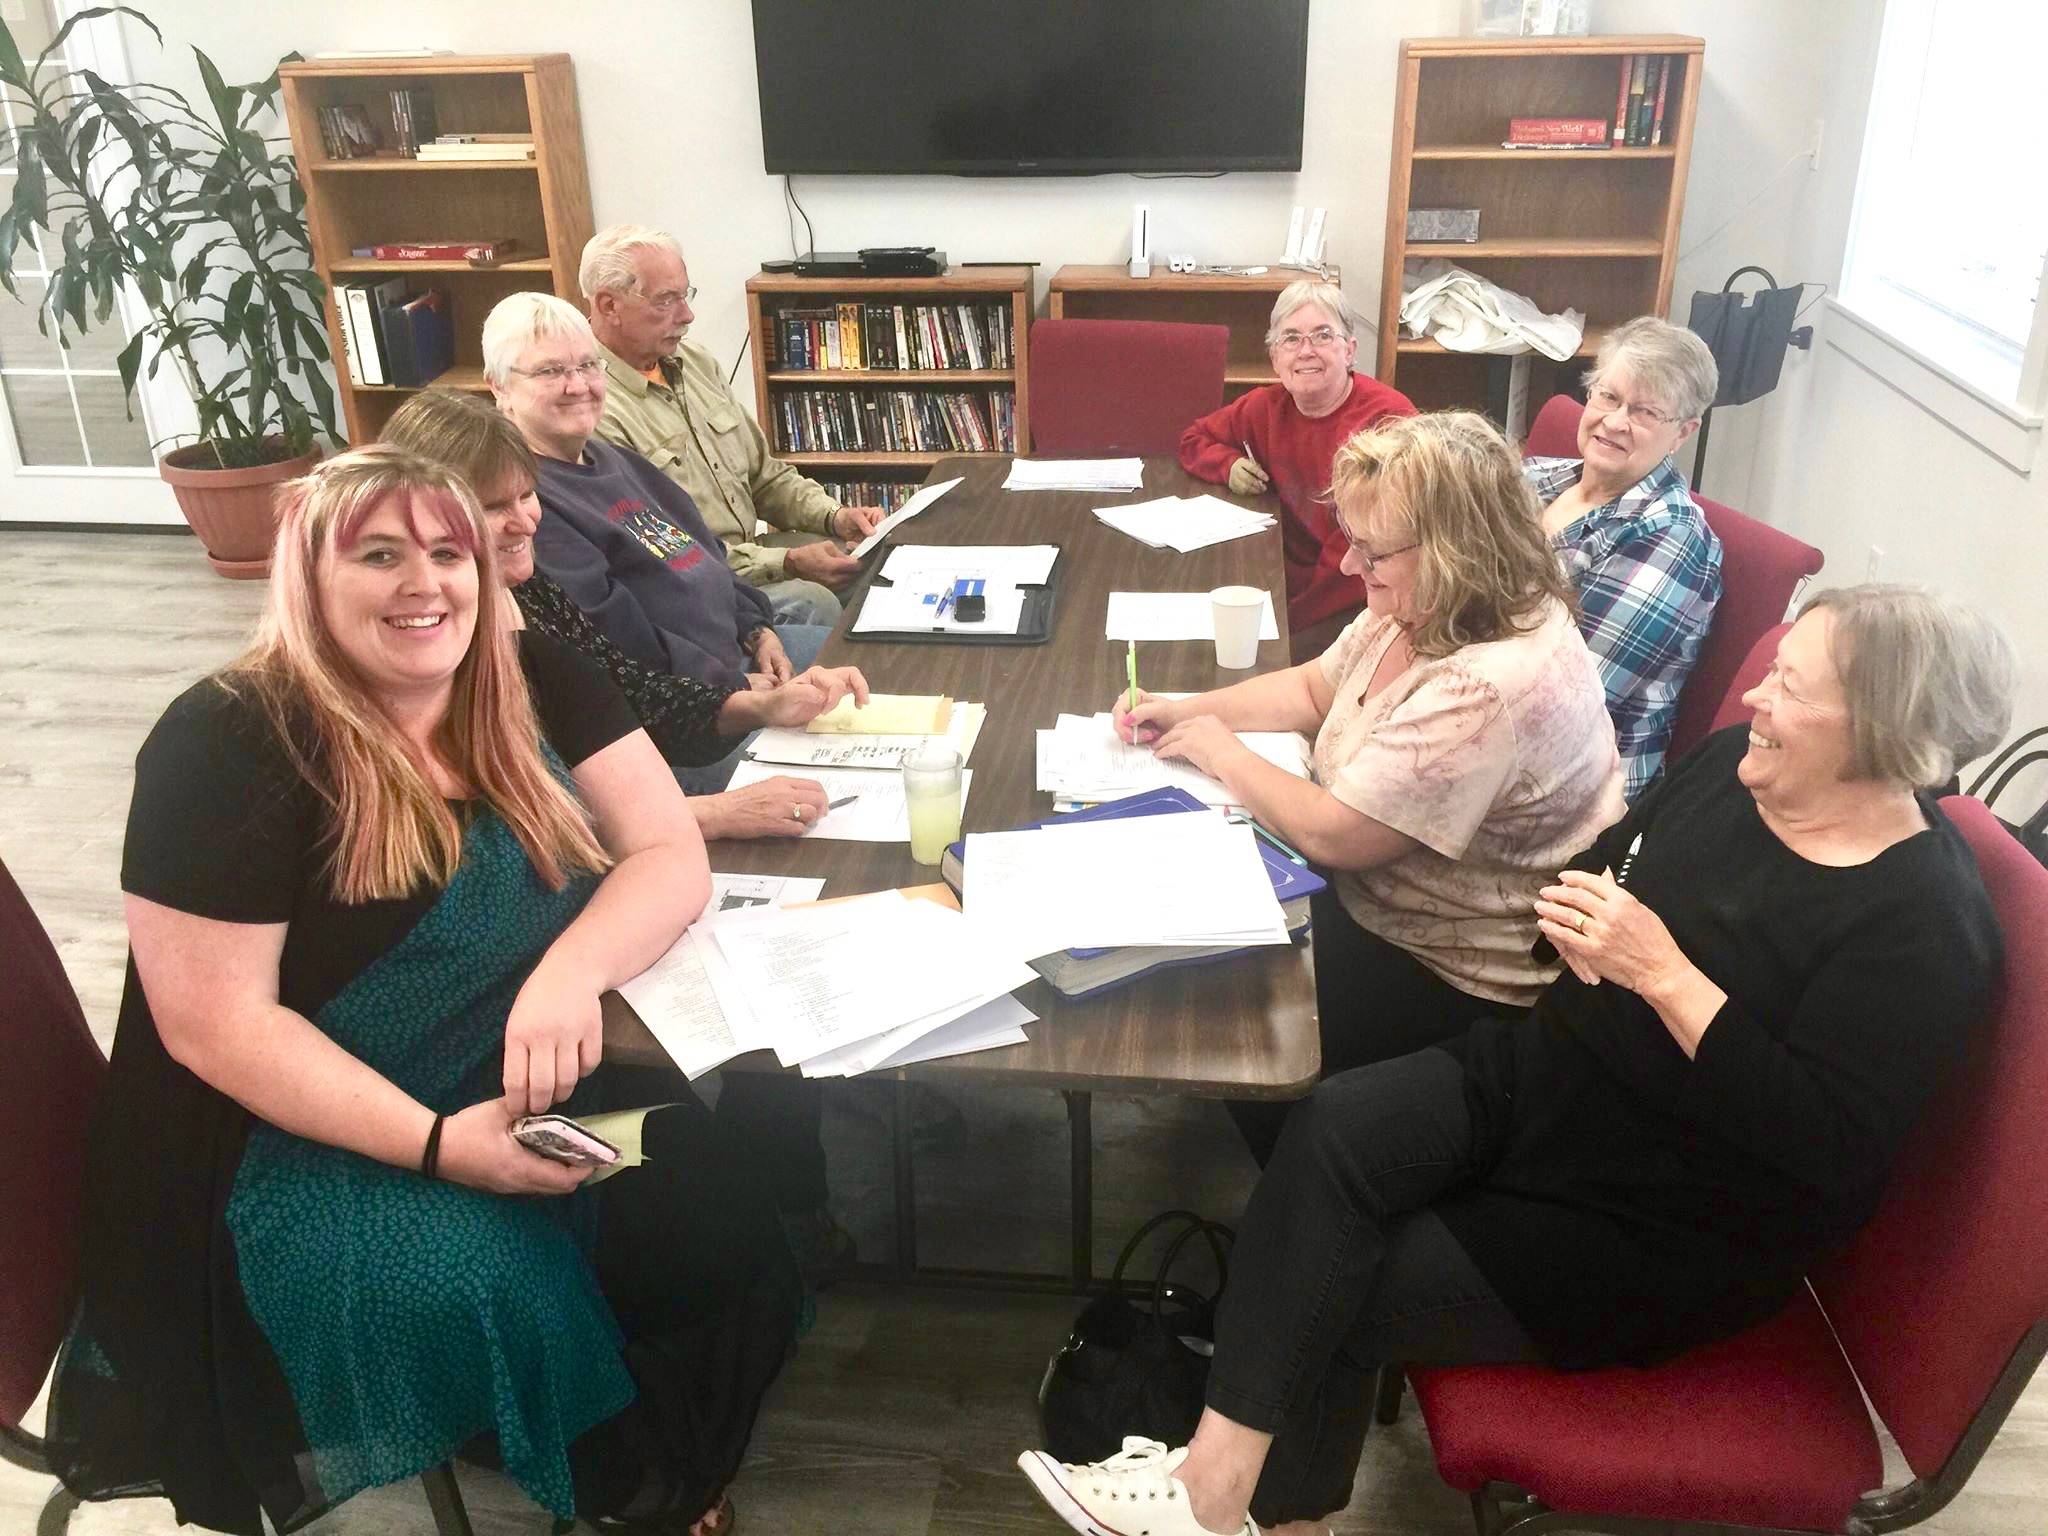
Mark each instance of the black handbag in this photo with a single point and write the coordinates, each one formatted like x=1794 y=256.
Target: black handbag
x=1136 y=1367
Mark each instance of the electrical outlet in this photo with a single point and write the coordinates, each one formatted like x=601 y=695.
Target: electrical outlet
x=1871 y=562
x=1813 y=137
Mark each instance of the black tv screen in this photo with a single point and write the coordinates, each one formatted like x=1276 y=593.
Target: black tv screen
x=1030 y=87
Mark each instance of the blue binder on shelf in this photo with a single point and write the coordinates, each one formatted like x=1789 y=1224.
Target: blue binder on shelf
x=1079 y=973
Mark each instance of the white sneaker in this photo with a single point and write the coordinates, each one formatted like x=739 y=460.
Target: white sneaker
x=1133 y=1493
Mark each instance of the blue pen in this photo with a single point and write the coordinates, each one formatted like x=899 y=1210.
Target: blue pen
x=1260 y=831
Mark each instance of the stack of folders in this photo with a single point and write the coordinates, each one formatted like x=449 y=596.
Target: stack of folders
x=1164 y=879
x=1185 y=523
x=836 y=988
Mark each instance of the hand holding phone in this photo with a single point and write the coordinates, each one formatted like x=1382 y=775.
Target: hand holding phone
x=562 y=1140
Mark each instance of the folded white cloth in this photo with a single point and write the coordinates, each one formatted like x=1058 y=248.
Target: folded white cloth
x=1465 y=313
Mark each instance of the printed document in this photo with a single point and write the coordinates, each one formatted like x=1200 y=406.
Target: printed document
x=1173 y=616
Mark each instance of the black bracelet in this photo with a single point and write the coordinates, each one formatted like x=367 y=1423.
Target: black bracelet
x=430 y=1160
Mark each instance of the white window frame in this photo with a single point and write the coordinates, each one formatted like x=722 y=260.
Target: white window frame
x=162 y=402
x=1908 y=341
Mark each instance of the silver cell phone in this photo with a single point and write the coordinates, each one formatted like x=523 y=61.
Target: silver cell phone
x=562 y=1140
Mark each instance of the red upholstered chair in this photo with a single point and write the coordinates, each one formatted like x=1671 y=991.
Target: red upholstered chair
x=54 y=1073
x=1747 y=676
x=1554 y=434
x=1122 y=386
x=1940 y=1308
x=1761 y=570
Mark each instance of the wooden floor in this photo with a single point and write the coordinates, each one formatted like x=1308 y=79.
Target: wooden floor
x=902 y=1413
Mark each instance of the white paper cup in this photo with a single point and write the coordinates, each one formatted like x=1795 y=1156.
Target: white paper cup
x=1236 y=613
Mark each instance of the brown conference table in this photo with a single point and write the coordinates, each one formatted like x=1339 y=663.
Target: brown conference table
x=1244 y=1027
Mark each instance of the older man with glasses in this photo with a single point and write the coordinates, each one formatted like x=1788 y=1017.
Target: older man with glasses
x=1283 y=437
x=667 y=400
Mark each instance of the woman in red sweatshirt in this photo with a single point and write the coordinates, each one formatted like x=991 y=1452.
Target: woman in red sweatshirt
x=1283 y=436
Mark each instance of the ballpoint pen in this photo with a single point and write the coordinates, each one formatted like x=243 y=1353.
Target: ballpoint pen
x=1628 y=859
x=1131 y=675
x=833 y=805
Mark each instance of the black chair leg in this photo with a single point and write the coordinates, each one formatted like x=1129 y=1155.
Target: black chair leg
x=1386 y=1394
x=56 y=1515
x=444 y=1498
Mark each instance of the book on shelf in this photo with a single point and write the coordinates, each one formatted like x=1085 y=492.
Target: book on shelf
x=1076 y=973
x=889 y=495
x=358 y=305
x=1663 y=86
x=346 y=133
x=483 y=252
x=895 y=421
x=412 y=117
x=465 y=153
x=849 y=334
x=1621 y=100
x=1556 y=133
x=1639 y=108
x=419 y=337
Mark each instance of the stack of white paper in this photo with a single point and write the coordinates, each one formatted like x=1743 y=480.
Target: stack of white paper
x=1184 y=881
x=1082 y=760
x=804 y=750
x=1075 y=475
x=912 y=608
x=1173 y=616
x=875 y=810
x=838 y=989
x=1185 y=523
x=1012 y=565
x=902 y=515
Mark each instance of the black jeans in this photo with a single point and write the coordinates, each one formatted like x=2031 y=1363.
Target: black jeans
x=1374 y=1002
x=1340 y=1265
x=777 y=1118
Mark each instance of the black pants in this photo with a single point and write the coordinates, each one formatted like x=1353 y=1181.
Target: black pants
x=1374 y=1002
x=1340 y=1265
x=777 y=1119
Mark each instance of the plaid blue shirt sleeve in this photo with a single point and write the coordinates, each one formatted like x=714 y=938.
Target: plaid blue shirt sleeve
x=1648 y=573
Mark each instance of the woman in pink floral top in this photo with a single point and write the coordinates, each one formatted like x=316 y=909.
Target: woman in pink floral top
x=1463 y=749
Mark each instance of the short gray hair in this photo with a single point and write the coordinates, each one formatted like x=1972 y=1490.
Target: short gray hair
x=607 y=265
x=1929 y=684
x=521 y=319
x=1310 y=290
x=1667 y=360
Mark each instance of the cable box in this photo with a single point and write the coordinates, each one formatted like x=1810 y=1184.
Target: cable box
x=902 y=261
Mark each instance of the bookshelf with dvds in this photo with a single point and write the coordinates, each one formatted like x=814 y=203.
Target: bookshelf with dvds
x=1239 y=301
x=541 y=204
x=866 y=382
x=1594 y=230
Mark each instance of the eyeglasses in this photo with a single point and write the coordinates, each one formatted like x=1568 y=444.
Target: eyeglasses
x=1607 y=402
x=1366 y=557
x=559 y=374
x=670 y=300
x=1321 y=338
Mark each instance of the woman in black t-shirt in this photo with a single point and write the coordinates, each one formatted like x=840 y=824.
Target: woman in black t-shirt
x=378 y=873
x=1773 y=960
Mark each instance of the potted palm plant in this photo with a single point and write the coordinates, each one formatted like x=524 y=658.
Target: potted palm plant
x=200 y=215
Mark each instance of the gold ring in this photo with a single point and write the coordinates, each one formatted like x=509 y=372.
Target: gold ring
x=797 y=812
x=1581 y=924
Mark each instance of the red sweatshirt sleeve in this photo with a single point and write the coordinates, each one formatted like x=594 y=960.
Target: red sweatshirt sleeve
x=1211 y=445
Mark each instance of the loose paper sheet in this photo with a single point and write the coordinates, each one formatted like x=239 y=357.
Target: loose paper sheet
x=1173 y=616
x=902 y=515
x=878 y=814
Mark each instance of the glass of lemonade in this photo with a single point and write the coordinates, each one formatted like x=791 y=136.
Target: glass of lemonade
x=931 y=788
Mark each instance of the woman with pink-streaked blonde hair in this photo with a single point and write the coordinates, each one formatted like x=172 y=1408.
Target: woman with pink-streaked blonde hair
x=378 y=872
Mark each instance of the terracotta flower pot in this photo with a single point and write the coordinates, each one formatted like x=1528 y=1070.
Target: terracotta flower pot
x=230 y=509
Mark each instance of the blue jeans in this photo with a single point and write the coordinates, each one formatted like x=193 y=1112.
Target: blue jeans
x=802 y=642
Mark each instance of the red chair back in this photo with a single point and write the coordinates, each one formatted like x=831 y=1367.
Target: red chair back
x=1554 y=434
x=1122 y=386
x=1747 y=676
x=54 y=1071
x=1760 y=570
x=1935 y=1293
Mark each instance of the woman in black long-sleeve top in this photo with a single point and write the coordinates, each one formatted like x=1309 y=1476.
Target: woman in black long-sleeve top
x=1774 y=959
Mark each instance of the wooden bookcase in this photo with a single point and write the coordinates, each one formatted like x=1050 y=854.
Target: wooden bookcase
x=1244 y=304
x=1593 y=230
x=543 y=203
x=769 y=294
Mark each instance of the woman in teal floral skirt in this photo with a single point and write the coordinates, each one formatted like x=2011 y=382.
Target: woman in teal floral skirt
x=378 y=873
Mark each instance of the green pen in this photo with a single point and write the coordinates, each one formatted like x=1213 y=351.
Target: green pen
x=1131 y=673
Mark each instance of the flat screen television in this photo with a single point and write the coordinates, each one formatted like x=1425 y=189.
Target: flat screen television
x=1030 y=87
